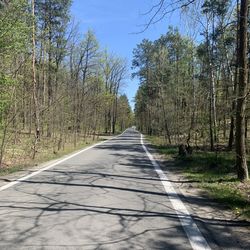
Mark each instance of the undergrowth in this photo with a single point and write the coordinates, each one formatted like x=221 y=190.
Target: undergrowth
x=212 y=171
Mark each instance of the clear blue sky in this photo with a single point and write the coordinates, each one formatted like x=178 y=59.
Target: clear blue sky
x=114 y=21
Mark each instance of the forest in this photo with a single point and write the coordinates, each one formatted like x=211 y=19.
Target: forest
x=194 y=88
x=58 y=88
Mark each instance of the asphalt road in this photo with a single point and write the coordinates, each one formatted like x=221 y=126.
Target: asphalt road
x=107 y=197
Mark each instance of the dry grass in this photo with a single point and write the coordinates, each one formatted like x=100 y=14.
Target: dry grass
x=19 y=151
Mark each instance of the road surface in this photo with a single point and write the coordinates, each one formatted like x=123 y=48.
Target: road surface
x=107 y=197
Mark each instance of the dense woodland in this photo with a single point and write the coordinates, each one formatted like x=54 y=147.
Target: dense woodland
x=193 y=90
x=57 y=86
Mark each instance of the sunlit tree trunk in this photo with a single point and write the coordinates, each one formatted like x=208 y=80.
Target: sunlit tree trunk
x=241 y=162
x=35 y=98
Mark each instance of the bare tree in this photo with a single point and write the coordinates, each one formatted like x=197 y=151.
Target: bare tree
x=162 y=8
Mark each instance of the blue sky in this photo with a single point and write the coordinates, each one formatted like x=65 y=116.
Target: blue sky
x=114 y=22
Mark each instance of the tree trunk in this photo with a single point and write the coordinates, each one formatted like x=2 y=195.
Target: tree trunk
x=211 y=125
x=231 y=134
x=36 y=105
x=115 y=111
x=214 y=112
x=232 y=123
x=49 y=84
x=166 y=127
x=241 y=163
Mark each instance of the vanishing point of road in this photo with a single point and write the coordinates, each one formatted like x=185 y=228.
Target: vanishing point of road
x=112 y=195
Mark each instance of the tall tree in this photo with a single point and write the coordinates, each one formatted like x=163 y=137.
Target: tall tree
x=52 y=81
x=53 y=16
x=35 y=97
x=241 y=162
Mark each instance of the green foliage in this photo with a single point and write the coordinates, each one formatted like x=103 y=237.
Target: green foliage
x=164 y=68
x=72 y=90
x=6 y=85
x=125 y=115
x=14 y=28
x=211 y=171
x=52 y=18
x=216 y=7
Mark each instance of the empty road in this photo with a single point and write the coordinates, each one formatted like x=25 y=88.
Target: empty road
x=111 y=196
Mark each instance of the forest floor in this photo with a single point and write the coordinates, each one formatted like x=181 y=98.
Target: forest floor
x=212 y=172
x=18 y=152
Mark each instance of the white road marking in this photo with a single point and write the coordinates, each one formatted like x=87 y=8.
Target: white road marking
x=194 y=235
x=52 y=165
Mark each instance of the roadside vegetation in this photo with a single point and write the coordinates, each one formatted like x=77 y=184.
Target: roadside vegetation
x=18 y=156
x=193 y=95
x=214 y=172
x=194 y=87
x=58 y=86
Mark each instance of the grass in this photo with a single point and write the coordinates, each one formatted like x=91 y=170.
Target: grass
x=18 y=155
x=159 y=144
x=213 y=172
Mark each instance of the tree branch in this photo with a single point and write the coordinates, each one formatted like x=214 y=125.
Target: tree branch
x=169 y=8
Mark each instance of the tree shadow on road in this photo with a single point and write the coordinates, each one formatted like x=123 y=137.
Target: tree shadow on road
x=121 y=206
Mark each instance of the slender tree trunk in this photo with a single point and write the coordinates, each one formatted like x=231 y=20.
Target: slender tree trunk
x=49 y=85
x=2 y=146
x=232 y=118
x=49 y=127
x=36 y=105
x=114 y=116
x=213 y=82
x=246 y=125
x=211 y=131
x=213 y=96
x=192 y=118
x=166 y=127
x=241 y=163
x=211 y=125
x=231 y=134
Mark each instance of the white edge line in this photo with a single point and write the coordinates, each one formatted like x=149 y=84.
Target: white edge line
x=11 y=184
x=197 y=241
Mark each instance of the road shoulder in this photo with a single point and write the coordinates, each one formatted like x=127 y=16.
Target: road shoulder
x=8 y=178
x=219 y=223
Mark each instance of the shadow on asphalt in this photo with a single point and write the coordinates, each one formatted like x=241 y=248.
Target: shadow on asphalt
x=191 y=199
x=87 y=181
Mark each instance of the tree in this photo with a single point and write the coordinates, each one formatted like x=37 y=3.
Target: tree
x=56 y=84
x=114 y=71
x=53 y=16
x=241 y=163
x=35 y=97
x=203 y=91
x=14 y=40
x=124 y=113
x=165 y=72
